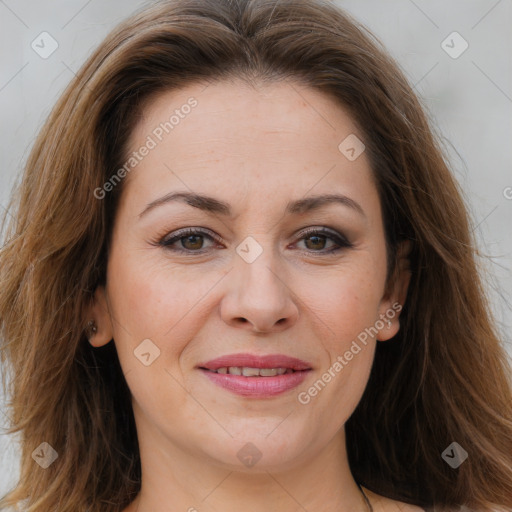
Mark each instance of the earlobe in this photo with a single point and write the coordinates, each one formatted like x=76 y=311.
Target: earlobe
x=98 y=328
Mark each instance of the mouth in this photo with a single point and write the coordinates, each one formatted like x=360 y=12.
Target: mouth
x=256 y=376
x=247 y=371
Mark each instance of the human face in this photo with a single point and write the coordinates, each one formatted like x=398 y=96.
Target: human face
x=218 y=293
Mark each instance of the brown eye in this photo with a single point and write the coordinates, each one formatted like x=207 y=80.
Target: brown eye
x=190 y=240
x=316 y=240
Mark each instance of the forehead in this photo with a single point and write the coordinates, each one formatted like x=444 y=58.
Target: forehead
x=233 y=105
x=229 y=135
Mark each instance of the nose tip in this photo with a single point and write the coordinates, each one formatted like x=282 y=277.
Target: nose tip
x=259 y=298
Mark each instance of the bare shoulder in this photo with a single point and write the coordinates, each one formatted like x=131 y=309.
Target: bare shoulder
x=383 y=504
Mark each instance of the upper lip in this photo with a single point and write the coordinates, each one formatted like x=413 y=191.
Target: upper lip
x=256 y=361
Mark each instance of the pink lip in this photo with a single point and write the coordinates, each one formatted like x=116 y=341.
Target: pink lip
x=256 y=387
x=254 y=361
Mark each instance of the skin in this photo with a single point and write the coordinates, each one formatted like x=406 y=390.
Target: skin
x=255 y=148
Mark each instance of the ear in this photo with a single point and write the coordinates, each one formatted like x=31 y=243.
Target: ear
x=99 y=312
x=396 y=293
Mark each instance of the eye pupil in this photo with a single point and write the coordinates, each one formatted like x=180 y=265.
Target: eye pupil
x=191 y=237
x=317 y=237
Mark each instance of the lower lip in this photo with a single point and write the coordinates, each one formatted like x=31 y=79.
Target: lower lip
x=257 y=387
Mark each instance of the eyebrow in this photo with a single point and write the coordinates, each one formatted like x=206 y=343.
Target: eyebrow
x=212 y=205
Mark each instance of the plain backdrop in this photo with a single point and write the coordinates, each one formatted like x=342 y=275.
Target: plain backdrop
x=468 y=97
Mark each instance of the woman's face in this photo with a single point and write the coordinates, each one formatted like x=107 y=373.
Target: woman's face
x=249 y=280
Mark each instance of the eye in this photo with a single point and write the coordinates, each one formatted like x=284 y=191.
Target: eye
x=318 y=238
x=191 y=240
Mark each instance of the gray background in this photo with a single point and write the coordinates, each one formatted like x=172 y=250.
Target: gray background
x=469 y=99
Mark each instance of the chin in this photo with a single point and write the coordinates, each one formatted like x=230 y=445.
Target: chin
x=254 y=451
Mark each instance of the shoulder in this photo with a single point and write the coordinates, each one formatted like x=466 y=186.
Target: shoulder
x=383 y=504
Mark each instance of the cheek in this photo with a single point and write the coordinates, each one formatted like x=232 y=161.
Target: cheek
x=148 y=296
x=350 y=309
x=138 y=298
x=345 y=307
x=154 y=299
x=148 y=303
x=346 y=301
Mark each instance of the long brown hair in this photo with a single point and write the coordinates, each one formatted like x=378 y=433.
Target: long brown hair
x=444 y=378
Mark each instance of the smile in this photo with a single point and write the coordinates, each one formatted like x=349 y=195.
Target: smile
x=252 y=372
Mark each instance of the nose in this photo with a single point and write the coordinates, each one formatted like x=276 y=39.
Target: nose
x=259 y=297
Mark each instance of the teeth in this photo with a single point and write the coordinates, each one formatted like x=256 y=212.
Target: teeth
x=253 y=372
x=250 y=372
x=268 y=372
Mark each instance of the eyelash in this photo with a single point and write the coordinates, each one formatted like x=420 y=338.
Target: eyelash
x=166 y=242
